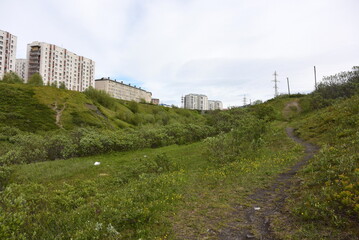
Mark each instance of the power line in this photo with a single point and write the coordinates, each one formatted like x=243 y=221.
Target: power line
x=315 y=77
x=288 y=86
x=275 y=84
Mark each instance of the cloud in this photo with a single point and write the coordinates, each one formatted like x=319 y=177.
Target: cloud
x=223 y=49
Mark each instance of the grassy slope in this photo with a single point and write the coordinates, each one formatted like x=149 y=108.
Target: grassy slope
x=31 y=108
x=19 y=108
x=327 y=205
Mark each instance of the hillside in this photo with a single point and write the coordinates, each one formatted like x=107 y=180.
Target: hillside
x=284 y=169
x=34 y=109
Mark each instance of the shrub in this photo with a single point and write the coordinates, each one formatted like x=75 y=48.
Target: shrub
x=220 y=149
x=36 y=80
x=5 y=173
x=12 y=78
x=133 y=106
x=29 y=148
x=101 y=97
x=241 y=141
x=341 y=85
x=60 y=146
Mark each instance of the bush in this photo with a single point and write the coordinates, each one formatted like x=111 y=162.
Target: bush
x=36 y=80
x=29 y=148
x=5 y=173
x=12 y=78
x=241 y=141
x=60 y=146
x=341 y=85
x=133 y=106
x=101 y=97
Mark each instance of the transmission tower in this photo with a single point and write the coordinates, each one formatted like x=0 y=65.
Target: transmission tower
x=275 y=84
x=244 y=100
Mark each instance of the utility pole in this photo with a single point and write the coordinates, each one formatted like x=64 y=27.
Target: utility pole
x=315 y=77
x=275 y=84
x=182 y=101
x=288 y=86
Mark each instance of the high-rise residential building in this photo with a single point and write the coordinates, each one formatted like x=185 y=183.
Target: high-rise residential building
x=123 y=91
x=7 y=52
x=214 y=105
x=57 y=65
x=21 y=68
x=196 y=101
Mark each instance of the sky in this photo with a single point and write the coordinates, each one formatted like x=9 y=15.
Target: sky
x=225 y=49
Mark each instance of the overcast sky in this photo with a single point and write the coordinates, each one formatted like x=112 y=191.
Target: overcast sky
x=220 y=48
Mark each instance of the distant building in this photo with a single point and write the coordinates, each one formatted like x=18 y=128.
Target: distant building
x=196 y=101
x=123 y=91
x=7 y=53
x=21 y=68
x=214 y=105
x=58 y=65
x=155 y=101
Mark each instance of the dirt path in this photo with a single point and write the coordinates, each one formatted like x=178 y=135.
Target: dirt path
x=266 y=204
x=58 y=113
x=291 y=109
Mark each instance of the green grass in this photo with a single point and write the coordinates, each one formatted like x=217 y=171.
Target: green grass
x=327 y=204
x=33 y=108
x=175 y=192
x=19 y=108
x=125 y=198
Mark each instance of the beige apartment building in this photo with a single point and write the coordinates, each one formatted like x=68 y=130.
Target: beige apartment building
x=7 y=53
x=123 y=91
x=214 y=105
x=21 y=68
x=57 y=65
x=196 y=101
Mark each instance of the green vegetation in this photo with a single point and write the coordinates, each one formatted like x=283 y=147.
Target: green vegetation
x=133 y=195
x=20 y=109
x=329 y=199
x=12 y=78
x=172 y=173
x=35 y=80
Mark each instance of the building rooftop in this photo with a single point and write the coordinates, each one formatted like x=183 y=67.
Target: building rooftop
x=121 y=82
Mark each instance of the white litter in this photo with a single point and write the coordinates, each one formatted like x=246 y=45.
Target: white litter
x=97 y=163
x=257 y=208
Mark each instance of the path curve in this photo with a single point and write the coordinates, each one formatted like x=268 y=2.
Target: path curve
x=267 y=203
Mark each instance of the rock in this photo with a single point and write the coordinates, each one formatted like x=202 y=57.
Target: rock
x=97 y=163
x=250 y=236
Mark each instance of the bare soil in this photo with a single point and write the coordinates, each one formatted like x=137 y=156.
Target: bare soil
x=58 y=113
x=255 y=221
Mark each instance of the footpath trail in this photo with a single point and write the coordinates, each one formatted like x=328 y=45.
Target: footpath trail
x=266 y=204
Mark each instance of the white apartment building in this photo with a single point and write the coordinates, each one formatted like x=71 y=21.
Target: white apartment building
x=214 y=105
x=21 y=68
x=196 y=101
x=7 y=52
x=123 y=91
x=58 y=65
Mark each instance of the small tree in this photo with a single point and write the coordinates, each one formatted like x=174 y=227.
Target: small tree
x=36 y=80
x=62 y=85
x=12 y=77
